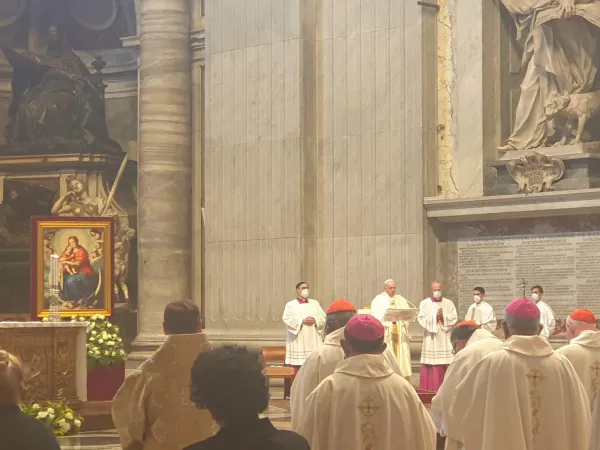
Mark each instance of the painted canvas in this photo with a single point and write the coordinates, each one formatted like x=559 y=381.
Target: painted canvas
x=72 y=265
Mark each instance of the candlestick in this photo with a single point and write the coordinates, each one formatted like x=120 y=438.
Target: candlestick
x=54 y=269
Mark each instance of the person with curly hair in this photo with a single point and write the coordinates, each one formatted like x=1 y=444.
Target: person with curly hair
x=18 y=431
x=229 y=382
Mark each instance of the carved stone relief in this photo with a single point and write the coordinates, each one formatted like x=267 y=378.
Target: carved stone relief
x=535 y=172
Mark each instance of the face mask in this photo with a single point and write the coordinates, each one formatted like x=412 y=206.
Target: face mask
x=437 y=294
x=535 y=297
x=304 y=293
x=477 y=298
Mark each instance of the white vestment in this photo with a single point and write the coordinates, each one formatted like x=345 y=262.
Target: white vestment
x=319 y=365
x=521 y=397
x=595 y=439
x=584 y=354
x=401 y=348
x=479 y=344
x=437 y=349
x=546 y=319
x=301 y=340
x=483 y=314
x=365 y=405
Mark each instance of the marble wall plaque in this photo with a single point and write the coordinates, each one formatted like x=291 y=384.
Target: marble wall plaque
x=567 y=266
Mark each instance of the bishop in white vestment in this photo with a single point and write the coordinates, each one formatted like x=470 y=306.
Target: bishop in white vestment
x=547 y=318
x=364 y=404
x=397 y=336
x=304 y=320
x=322 y=362
x=437 y=316
x=523 y=396
x=584 y=350
x=481 y=311
x=471 y=343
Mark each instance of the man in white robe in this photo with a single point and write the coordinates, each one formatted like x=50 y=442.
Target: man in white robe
x=437 y=316
x=595 y=439
x=584 y=350
x=322 y=362
x=523 y=396
x=471 y=343
x=397 y=336
x=481 y=311
x=546 y=314
x=364 y=404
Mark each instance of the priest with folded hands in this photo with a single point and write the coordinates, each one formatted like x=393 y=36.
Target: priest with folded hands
x=364 y=404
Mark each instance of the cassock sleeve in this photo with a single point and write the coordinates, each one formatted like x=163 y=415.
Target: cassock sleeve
x=305 y=382
x=427 y=321
x=315 y=419
x=450 y=317
x=376 y=310
x=320 y=318
x=129 y=412
x=489 y=321
x=292 y=322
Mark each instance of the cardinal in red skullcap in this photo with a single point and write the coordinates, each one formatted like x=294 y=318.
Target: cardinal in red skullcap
x=584 y=349
x=378 y=408
x=520 y=380
x=322 y=362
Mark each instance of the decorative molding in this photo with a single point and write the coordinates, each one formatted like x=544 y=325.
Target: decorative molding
x=101 y=26
x=122 y=89
x=198 y=41
x=535 y=172
x=16 y=15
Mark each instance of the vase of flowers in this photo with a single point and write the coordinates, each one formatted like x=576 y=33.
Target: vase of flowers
x=105 y=358
x=56 y=415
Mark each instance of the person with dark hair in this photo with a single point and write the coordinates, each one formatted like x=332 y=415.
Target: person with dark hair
x=304 y=320
x=230 y=384
x=470 y=343
x=322 y=362
x=364 y=404
x=546 y=314
x=152 y=410
x=522 y=396
x=481 y=311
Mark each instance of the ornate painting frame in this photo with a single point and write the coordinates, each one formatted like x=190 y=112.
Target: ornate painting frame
x=72 y=262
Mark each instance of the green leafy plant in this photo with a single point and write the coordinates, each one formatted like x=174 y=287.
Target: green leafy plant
x=56 y=415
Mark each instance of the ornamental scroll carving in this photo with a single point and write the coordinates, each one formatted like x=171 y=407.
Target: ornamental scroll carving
x=535 y=172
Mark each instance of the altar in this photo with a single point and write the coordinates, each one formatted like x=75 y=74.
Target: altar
x=54 y=358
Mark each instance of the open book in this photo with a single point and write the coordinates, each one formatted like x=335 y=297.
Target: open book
x=400 y=315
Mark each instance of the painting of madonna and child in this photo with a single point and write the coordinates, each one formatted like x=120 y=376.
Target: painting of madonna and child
x=72 y=265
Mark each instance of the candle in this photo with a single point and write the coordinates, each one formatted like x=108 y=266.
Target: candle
x=54 y=271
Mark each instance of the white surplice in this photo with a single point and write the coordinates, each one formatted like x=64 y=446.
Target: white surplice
x=546 y=319
x=379 y=306
x=365 y=405
x=521 y=397
x=301 y=340
x=595 y=439
x=479 y=344
x=319 y=365
x=584 y=354
x=437 y=349
x=483 y=314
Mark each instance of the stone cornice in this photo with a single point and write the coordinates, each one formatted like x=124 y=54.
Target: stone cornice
x=197 y=44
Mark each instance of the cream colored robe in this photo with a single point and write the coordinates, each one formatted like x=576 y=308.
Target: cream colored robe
x=318 y=366
x=379 y=306
x=546 y=319
x=521 y=397
x=365 y=405
x=437 y=349
x=584 y=354
x=595 y=439
x=153 y=410
x=480 y=344
x=483 y=314
x=301 y=340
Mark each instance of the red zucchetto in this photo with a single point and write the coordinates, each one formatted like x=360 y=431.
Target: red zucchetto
x=340 y=305
x=467 y=323
x=583 y=315
x=365 y=327
x=523 y=308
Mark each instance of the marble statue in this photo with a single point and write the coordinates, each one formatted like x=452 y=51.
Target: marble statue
x=57 y=104
x=561 y=41
x=77 y=202
x=122 y=249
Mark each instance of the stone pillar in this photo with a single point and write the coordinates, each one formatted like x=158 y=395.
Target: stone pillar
x=165 y=167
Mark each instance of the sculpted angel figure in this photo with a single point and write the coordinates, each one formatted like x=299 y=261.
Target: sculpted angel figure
x=77 y=202
x=561 y=41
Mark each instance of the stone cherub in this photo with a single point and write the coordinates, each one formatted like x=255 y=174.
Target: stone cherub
x=561 y=42
x=57 y=104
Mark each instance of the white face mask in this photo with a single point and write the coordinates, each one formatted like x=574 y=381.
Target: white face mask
x=535 y=297
x=477 y=298
x=304 y=293
x=437 y=294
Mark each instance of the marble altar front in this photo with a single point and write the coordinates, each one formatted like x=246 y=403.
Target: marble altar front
x=54 y=357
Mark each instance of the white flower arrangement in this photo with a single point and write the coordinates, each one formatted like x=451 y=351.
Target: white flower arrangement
x=105 y=345
x=58 y=416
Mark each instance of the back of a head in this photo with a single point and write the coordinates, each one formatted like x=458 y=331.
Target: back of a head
x=463 y=333
x=230 y=383
x=182 y=317
x=364 y=334
x=338 y=320
x=11 y=379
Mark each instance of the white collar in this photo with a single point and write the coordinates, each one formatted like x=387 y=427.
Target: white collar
x=478 y=335
x=365 y=366
x=528 y=345
x=588 y=338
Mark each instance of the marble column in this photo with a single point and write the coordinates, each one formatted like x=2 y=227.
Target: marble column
x=165 y=166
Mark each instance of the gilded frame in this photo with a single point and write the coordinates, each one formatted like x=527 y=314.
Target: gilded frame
x=85 y=269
